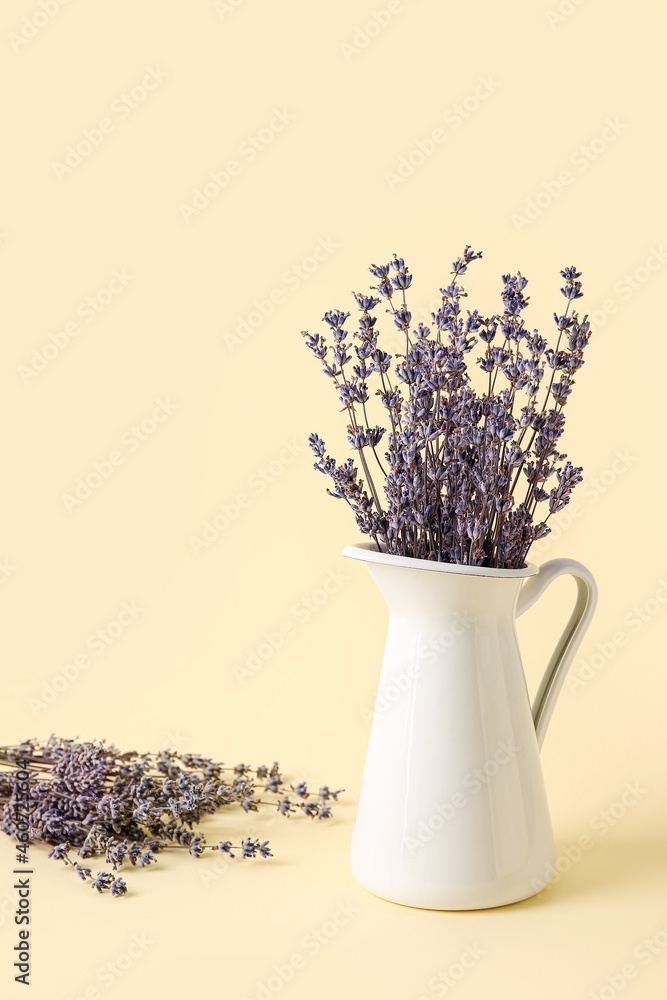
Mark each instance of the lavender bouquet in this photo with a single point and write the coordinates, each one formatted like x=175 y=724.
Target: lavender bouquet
x=90 y=800
x=468 y=477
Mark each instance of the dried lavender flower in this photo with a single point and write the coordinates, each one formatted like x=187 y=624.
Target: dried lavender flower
x=118 y=887
x=102 y=882
x=123 y=806
x=464 y=470
x=225 y=847
x=197 y=846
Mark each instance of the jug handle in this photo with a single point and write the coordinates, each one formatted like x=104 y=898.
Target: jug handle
x=568 y=644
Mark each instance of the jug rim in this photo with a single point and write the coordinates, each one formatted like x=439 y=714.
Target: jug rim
x=368 y=552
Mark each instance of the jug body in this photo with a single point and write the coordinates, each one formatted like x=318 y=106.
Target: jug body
x=452 y=811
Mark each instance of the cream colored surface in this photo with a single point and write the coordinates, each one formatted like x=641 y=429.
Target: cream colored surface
x=293 y=228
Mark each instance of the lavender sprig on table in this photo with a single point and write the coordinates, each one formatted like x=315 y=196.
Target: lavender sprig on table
x=125 y=806
x=469 y=477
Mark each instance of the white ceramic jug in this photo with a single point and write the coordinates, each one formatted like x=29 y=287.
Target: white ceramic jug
x=452 y=812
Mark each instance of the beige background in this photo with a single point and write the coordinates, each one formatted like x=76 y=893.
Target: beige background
x=349 y=112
